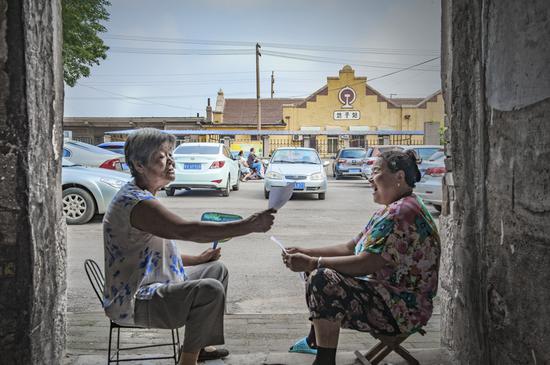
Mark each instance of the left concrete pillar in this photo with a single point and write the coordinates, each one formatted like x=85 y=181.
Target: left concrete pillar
x=32 y=230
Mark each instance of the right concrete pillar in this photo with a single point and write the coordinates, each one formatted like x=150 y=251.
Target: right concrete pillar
x=495 y=224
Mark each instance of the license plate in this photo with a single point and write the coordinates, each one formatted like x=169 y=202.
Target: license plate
x=354 y=170
x=299 y=186
x=191 y=166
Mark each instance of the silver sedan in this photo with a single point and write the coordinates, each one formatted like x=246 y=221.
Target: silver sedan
x=299 y=166
x=88 y=191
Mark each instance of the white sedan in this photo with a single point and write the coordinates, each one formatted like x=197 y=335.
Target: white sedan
x=204 y=166
x=299 y=166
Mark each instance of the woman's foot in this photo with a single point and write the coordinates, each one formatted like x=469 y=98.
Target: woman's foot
x=212 y=353
x=302 y=346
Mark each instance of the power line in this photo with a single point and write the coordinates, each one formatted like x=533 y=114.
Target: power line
x=134 y=98
x=332 y=60
x=298 y=56
x=405 y=69
x=203 y=52
x=307 y=47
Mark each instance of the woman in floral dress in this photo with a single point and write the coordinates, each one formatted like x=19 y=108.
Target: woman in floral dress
x=384 y=280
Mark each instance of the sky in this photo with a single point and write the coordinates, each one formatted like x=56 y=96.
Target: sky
x=168 y=57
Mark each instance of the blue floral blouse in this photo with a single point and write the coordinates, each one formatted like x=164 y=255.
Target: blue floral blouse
x=136 y=262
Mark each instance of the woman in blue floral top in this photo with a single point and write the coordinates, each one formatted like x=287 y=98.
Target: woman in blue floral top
x=382 y=281
x=148 y=282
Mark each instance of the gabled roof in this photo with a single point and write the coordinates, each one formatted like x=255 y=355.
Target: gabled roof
x=406 y=101
x=243 y=111
x=313 y=97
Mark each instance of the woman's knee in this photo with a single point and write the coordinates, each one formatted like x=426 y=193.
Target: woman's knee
x=211 y=289
x=220 y=270
x=320 y=277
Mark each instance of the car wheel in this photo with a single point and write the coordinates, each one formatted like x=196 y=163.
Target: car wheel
x=322 y=196
x=170 y=191
x=266 y=194
x=78 y=206
x=227 y=189
x=236 y=186
x=337 y=176
x=437 y=207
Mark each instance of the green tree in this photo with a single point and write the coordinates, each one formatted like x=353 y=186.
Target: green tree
x=82 y=47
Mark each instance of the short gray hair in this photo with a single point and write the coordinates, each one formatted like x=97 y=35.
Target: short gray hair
x=142 y=144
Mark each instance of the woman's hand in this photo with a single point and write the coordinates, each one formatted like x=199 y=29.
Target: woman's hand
x=210 y=254
x=299 y=262
x=260 y=222
x=305 y=251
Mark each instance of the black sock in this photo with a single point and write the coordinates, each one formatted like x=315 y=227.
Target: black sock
x=311 y=338
x=325 y=356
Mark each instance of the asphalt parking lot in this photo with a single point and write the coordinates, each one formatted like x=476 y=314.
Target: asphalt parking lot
x=259 y=283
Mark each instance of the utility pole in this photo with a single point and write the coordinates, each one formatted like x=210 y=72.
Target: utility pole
x=272 y=82
x=391 y=96
x=258 y=108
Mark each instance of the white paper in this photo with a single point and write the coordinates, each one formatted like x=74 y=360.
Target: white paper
x=279 y=195
x=301 y=275
x=279 y=244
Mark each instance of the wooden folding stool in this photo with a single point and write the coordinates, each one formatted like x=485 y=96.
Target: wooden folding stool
x=385 y=345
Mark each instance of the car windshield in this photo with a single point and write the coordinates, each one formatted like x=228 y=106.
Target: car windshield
x=379 y=150
x=296 y=156
x=425 y=153
x=436 y=156
x=67 y=163
x=196 y=150
x=353 y=154
x=88 y=147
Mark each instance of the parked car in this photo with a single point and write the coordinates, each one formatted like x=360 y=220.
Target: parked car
x=204 y=166
x=89 y=155
x=372 y=155
x=116 y=147
x=422 y=151
x=348 y=162
x=299 y=166
x=430 y=187
x=88 y=191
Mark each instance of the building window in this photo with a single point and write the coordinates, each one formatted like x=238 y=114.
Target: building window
x=358 y=141
x=332 y=144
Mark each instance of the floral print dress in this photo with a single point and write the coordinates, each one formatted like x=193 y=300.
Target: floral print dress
x=397 y=298
x=137 y=263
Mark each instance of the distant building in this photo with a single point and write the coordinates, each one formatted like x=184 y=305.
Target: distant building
x=92 y=129
x=344 y=109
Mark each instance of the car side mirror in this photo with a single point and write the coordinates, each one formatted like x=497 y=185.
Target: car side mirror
x=220 y=218
x=326 y=163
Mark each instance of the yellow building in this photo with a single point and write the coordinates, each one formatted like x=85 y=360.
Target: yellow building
x=341 y=113
x=348 y=101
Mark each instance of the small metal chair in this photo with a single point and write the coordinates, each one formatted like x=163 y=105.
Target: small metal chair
x=385 y=345
x=97 y=280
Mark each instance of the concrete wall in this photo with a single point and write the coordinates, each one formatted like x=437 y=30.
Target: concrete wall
x=32 y=231
x=495 y=223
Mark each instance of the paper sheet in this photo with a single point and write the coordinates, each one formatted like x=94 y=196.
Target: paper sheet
x=279 y=244
x=301 y=275
x=279 y=195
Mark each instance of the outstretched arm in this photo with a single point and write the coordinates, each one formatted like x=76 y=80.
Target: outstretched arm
x=354 y=265
x=343 y=249
x=152 y=217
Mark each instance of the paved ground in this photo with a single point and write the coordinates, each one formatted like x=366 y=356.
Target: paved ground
x=266 y=309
